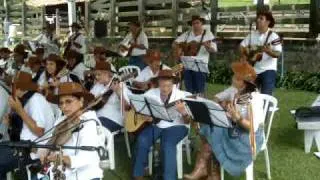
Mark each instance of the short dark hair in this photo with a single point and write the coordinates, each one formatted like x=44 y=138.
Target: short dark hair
x=268 y=16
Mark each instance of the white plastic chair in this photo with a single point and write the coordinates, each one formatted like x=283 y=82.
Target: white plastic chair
x=125 y=70
x=269 y=108
x=184 y=142
x=110 y=145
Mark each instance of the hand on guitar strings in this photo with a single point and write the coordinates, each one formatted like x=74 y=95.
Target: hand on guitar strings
x=267 y=49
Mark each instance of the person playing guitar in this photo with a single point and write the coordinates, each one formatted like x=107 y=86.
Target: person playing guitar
x=153 y=58
x=262 y=48
x=76 y=40
x=197 y=42
x=135 y=45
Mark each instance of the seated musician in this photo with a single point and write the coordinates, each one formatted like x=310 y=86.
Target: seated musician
x=110 y=113
x=75 y=64
x=136 y=43
x=170 y=133
x=34 y=64
x=262 y=48
x=153 y=59
x=55 y=73
x=200 y=42
x=79 y=164
x=4 y=61
x=5 y=53
x=16 y=63
x=33 y=112
x=234 y=148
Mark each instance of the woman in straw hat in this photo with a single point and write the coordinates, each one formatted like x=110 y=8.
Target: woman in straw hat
x=233 y=149
x=80 y=165
x=170 y=133
x=31 y=111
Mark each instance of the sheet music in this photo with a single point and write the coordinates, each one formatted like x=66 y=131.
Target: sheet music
x=139 y=104
x=158 y=110
x=194 y=63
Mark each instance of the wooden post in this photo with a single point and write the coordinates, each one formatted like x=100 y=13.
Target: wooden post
x=112 y=17
x=86 y=17
x=5 y=5
x=214 y=16
x=23 y=17
x=175 y=8
x=57 y=23
x=141 y=9
x=43 y=14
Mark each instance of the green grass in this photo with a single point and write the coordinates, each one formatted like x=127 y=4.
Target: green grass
x=288 y=160
x=232 y=3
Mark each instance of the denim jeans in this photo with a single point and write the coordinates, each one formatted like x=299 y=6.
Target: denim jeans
x=170 y=137
x=109 y=124
x=194 y=81
x=137 y=61
x=9 y=162
x=266 y=81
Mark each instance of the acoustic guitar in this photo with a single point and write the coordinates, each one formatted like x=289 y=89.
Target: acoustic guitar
x=125 y=49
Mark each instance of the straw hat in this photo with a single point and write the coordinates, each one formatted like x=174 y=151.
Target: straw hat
x=167 y=74
x=23 y=81
x=71 y=88
x=244 y=71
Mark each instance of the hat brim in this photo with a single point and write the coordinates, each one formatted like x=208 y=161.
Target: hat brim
x=88 y=97
x=27 y=86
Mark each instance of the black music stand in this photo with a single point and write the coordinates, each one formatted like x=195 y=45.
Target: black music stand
x=208 y=112
x=194 y=64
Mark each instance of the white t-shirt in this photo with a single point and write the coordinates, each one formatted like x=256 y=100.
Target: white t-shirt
x=4 y=107
x=38 y=108
x=79 y=70
x=189 y=36
x=142 y=39
x=175 y=95
x=84 y=164
x=257 y=39
x=147 y=74
x=256 y=101
x=112 y=109
x=81 y=39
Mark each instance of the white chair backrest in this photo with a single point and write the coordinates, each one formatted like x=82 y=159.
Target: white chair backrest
x=125 y=70
x=269 y=108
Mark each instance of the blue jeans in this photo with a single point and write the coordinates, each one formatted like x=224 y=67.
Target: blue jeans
x=170 y=137
x=194 y=81
x=137 y=61
x=266 y=81
x=9 y=162
x=109 y=124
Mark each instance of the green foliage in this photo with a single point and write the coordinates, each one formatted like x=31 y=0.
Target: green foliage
x=221 y=74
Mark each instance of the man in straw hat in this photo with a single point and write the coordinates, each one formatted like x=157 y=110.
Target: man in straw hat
x=195 y=81
x=232 y=148
x=153 y=59
x=33 y=113
x=109 y=113
x=136 y=43
x=171 y=133
x=79 y=164
x=270 y=44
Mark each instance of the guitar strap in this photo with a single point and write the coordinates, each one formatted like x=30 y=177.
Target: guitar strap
x=201 y=40
x=267 y=39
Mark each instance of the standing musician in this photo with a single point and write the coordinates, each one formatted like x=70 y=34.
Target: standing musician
x=75 y=64
x=136 y=44
x=36 y=115
x=269 y=48
x=79 y=164
x=153 y=59
x=171 y=133
x=234 y=148
x=196 y=42
x=76 y=40
x=100 y=54
x=47 y=40
x=110 y=113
